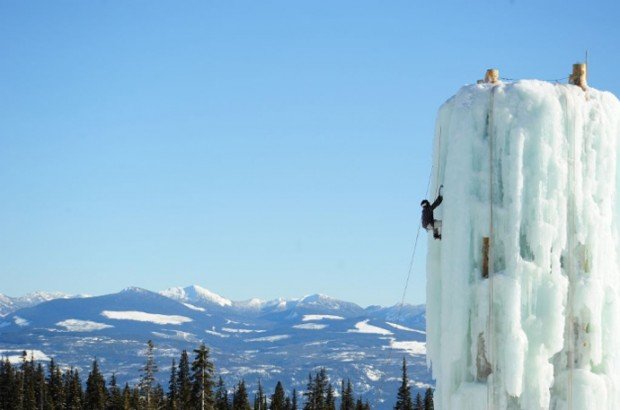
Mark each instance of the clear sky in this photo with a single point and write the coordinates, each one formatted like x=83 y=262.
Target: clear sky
x=257 y=148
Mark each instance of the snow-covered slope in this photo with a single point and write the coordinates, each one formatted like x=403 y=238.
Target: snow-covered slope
x=283 y=339
x=533 y=166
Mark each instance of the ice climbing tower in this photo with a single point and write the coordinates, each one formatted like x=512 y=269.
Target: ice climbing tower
x=531 y=175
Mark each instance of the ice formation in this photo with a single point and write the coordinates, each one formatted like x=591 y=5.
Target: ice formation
x=533 y=166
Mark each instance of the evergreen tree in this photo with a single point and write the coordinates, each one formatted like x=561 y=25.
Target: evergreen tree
x=428 y=400
x=403 y=400
x=173 y=395
x=359 y=404
x=347 y=400
x=288 y=405
x=317 y=391
x=40 y=387
x=96 y=395
x=135 y=401
x=240 y=397
x=294 y=405
x=126 y=397
x=184 y=384
x=147 y=379
x=27 y=386
x=417 y=403
x=202 y=379
x=278 y=399
x=311 y=400
x=330 y=400
x=9 y=389
x=56 y=392
x=260 y=400
x=158 y=398
x=115 y=398
x=221 y=396
x=73 y=390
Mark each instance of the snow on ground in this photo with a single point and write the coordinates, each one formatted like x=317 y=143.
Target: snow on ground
x=308 y=318
x=15 y=356
x=235 y=330
x=310 y=326
x=214 y=333
x=274 y=338
x=19 y=321
x=264 y=370
x=77 y=325
x=409 y=346
x=407 y=329
x=145 y=317
x=372 y=373
x=364 y=327
x=176 y=335
x=347 y=356
x=194 y=307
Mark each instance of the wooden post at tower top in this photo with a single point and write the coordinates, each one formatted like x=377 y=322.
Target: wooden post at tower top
x=491 y=76
x=579 y=76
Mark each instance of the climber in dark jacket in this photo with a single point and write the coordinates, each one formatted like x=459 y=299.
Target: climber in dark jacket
x=428 y=219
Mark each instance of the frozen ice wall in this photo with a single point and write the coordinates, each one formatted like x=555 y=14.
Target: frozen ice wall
x=534 y=167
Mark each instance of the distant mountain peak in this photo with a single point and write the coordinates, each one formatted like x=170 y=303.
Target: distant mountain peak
x=196 y=293
x=317 y=297
x=135 y=289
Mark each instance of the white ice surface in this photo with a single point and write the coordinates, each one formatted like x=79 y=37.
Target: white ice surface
x=145 y=317
x=534 y=166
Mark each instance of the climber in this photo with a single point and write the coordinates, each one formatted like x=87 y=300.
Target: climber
x=428 y=219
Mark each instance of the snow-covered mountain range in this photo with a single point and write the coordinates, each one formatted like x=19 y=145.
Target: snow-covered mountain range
x=282 y=339
x=10 y=304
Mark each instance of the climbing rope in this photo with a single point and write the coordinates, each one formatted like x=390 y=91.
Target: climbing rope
x=415 y=243
x=555 y=80
x=411 y=260
x=490 y=133
x=415 y=246
x=570 y=356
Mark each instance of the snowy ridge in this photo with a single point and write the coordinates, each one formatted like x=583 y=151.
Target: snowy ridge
x=11 y=304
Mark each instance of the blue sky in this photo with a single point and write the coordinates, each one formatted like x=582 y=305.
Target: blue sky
x=259 y=149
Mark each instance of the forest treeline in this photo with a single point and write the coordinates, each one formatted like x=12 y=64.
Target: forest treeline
x=192 y=385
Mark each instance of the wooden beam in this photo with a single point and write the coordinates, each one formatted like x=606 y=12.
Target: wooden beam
x=486 y=243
